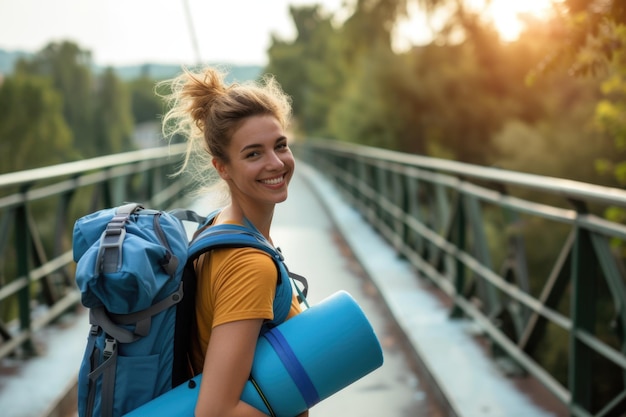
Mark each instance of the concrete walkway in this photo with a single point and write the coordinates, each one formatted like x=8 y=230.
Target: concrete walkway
x=313 y=248
x=328 y=242
x=465 y=377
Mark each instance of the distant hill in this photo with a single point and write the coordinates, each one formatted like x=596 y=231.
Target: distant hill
x=154 y=71
x=163 y=71
x=8 y=59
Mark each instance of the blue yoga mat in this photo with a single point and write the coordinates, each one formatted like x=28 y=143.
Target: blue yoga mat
x=297 y=364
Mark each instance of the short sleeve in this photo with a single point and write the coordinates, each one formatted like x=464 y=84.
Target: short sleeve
x=244 y=285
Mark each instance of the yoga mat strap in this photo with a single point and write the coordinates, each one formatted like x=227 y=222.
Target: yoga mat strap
x=293 y=366
x=262 y=396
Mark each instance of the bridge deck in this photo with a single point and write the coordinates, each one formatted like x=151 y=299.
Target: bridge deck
x=327 y=242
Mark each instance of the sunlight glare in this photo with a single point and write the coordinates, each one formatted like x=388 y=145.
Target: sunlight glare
x=506 y=15
x=418 y=28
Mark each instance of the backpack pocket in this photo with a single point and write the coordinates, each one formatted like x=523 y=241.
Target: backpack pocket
x=136 y=381
x=134 y=374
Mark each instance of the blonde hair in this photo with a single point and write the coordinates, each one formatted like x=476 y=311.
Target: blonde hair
x=207 y=112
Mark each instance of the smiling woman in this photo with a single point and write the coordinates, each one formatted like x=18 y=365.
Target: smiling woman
x=238 y=129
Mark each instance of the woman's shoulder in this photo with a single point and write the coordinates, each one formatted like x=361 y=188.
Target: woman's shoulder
x=246 y=265
x=242 y=257
x=242 y=251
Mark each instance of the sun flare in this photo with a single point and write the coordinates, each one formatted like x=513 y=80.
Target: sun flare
x=506 y=15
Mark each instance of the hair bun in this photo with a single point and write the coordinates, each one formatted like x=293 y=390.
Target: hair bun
x=203 y=92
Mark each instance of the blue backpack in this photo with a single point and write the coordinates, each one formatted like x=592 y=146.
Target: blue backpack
x=136 y=275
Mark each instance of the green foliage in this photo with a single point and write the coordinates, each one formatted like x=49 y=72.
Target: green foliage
x=33 y=132
x=309 y=69
x=370 y=26
x=460 y=115
x=146 y=105
x=69 y=69
x=610 y=111
x=586 y=43
x=443 y=99
x=112 y=118
x=364 y=121
x=98 y=109
x=524 y=105
x=59 y=107
x=561 y=148
x=378 y=107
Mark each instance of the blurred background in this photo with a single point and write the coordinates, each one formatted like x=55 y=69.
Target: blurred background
x=536 y=86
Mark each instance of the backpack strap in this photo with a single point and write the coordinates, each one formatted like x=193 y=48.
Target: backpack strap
x=236 y=236
x=110 y=248
x=191 y=216
x=107 y=370
x=111 y=323
x=302 y=292
x=247 y=235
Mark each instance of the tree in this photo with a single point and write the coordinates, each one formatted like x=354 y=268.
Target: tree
x=377 y=103
x=585 y=24
x=112 y=118
x=147 y=106
x=446 y=99
x=578 y=24
x=370 y=26
x=610 y=115
x=319 y=66
x=69 y=68
x=33 y=132
x=308 y=68
x=382 y=104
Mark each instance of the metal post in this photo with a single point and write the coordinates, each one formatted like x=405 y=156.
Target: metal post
x=22 y=248
x=583 y=318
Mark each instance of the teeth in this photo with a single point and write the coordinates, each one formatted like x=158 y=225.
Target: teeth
x=273 y=181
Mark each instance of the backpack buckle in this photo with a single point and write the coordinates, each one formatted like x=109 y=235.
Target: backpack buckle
x=95 y=330
x=110 y=250
x=110 y=345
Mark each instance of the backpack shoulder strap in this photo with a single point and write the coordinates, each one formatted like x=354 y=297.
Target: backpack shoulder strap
x=190 y=216
x=230 y=236
x=236 y=236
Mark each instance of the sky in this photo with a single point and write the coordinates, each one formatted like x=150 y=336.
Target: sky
x=131 y=32
x=128 y=32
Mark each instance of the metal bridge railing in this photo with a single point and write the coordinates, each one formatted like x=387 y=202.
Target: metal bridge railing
x=37 y=211
x=531 y=259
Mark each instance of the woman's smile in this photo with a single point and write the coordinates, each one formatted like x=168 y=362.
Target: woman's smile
x=260 y=163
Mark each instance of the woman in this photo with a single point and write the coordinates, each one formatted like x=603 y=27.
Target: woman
x=240 y=128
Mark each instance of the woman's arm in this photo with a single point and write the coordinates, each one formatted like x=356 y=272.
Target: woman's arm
x=226 y=370
x=231 y=347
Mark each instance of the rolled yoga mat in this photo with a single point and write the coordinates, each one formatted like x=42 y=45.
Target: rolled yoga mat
x=296 y=364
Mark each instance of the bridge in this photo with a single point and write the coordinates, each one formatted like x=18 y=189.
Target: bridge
x=494 y=293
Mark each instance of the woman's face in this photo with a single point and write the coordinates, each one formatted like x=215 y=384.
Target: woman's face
x=260 y=162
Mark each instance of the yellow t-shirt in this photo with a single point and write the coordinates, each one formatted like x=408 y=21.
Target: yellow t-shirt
x=233 y=284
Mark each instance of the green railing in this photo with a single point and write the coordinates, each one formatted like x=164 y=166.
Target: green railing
x=530 y=259
x=37 y=212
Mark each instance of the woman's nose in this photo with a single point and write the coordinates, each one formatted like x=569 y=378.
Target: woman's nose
x=275 y=161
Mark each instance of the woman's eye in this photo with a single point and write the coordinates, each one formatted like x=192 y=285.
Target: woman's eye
x=253 y=154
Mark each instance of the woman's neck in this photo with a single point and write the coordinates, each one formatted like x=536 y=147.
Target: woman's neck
x=260 y=218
